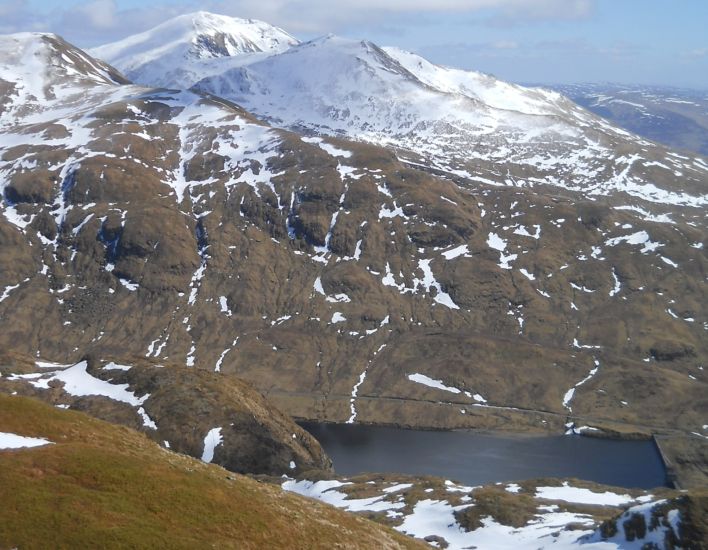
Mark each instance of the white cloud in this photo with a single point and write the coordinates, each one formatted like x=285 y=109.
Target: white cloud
x=100 y=13
x=318 y=15
x=550 y=8
x=505 y=45
x=94 y=22
x=698 y=53
x=102 y=21
x=11 y=7
x=15 y=17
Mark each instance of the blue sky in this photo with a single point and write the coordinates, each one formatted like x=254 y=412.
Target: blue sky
x=662 y=42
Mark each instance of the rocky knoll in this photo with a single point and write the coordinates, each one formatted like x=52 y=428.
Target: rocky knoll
x=342 y=282
x=215 y=418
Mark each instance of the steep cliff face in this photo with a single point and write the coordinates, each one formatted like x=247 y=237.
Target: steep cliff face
x=342 y=282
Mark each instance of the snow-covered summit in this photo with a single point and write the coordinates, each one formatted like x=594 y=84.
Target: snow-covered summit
x=463 y=123
x=466 y=124
x=45 y=58
x=168 y=54
x=39 y=68
x=344 y=84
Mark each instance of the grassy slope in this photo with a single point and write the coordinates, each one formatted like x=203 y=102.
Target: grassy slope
x=107 y=486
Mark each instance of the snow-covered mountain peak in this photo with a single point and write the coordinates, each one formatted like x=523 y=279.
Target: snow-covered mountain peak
x=37 y=69
x=337 y=84
x=222 y=36
x=166 y=54
x=466 y=124
x=45 y=56
x=485 y=90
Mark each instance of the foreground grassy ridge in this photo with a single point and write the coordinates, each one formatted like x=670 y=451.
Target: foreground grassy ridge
x=107 y=486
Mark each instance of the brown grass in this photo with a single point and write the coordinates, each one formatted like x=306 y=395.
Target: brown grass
x=103 y=486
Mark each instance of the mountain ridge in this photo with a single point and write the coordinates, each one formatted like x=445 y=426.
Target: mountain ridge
x=461 y=123
x=35 y=67
x=355 y=96
x=175 y=48
x=175 y=406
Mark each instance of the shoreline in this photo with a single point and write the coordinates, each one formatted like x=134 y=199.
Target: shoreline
x=601 y=433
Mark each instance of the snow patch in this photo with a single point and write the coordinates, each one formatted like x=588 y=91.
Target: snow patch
x=211 y=441
x=456 y=252
x=14 y=441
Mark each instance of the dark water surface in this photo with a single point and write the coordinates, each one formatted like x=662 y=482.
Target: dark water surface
x=477 y=459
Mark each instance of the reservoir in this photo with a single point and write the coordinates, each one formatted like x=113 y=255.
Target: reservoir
x=476 y=459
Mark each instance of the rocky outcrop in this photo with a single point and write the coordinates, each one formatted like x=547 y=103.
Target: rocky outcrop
x=195 y=412
x=541 y=513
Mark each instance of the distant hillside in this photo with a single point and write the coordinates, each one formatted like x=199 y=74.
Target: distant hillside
x=672 y=116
